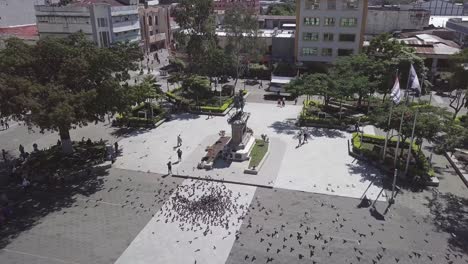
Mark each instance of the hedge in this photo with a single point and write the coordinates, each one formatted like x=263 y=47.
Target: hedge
x=221 y=109
x=366 y=148
x=133 y=121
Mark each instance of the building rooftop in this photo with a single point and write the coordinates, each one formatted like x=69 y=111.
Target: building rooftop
x=265 y=33
x=90 y=2
x=23 y=31
x=440 y=21
x=265 y=17
x=431 y=45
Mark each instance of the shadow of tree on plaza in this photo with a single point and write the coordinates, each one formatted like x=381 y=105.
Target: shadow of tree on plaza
x=367 y=173
x=183 y=116
x=29 y=208
x=450 y=214
x=324 y=132
x=129 y=131
x=288 y=126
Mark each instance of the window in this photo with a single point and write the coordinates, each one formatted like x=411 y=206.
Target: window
x=309 y=51
x=347 y=37
x=151 y=33
x=104 y=36
x=156 y=20
x=311 y=21
x=150 y=20
x=327 y=52
x=350 y=4
x=328 y=36
x=331 y=4
x=348 y=22
x=310 y=36
x=345 y=52
x=329 y=21
x=102 y=22
x=312 y=4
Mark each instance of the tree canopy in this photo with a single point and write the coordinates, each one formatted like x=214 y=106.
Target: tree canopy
x=197 y=24
x=429 y=122
x=240 y=24
x=389 y=55
x=282 y=9
x=61 y=83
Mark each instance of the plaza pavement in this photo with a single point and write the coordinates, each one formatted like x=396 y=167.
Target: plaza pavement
x=112 y=217
x=322 y=165
x=165 y=240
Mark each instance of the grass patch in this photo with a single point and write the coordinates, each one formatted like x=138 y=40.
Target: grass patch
x=258 y=152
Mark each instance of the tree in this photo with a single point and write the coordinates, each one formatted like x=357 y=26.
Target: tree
x=459 y=80
x=429 y=122
x=241 y=28
x=217 y=63
x=354 y=75
x=313 y=84
x=61 y=83
x=282 y=9
x=197 y=24
x=195 y=86
x=389 y=55
x=147 y=89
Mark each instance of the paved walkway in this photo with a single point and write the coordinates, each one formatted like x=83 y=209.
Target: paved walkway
x=322 y=165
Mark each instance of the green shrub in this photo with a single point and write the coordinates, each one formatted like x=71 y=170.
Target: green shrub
x=368 y=148
x=258 y=71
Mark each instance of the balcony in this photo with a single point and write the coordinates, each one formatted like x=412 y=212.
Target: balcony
x=125 y=26
x=157 y=37
x=124 y=10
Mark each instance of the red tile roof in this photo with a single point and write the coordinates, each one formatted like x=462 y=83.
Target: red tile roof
x=20 y=31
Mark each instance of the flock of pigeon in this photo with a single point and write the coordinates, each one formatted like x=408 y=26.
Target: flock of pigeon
x=272 y=233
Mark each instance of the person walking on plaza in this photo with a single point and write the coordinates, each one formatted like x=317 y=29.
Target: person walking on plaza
x=305 y=137
x=169 y=168
x=4 y=155
x=261 y=84
x=279 y=102
x=2 y=123
x=179 y=141
x=7 y=126
x=21 y=150
x=295 y=101
x=299 y=137
x=116 y=147
x=179 y=154
x=283 y=102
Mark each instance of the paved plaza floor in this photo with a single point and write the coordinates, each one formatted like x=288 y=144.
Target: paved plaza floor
x=135 y=213
x=322 y=165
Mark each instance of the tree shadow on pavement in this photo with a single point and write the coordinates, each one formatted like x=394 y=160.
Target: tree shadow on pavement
x=129 y=131
x=183 y=116
x=287 y=126
x=29 y=208
x=450 y=214
x=367 y=173
x=324 y=132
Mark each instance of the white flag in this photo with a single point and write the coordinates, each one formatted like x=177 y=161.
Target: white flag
x=414 y=81
x=396 y=93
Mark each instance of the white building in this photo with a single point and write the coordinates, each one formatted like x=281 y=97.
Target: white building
x=388 y=19
x=103 y=22
x=327 y=29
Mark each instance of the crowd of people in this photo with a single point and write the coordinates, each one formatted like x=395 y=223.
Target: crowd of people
x=4 y=124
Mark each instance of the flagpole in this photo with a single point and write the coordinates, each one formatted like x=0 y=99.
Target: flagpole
x=389 y=120
x=411 y=143
x=388 y=132
x=392 y=200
